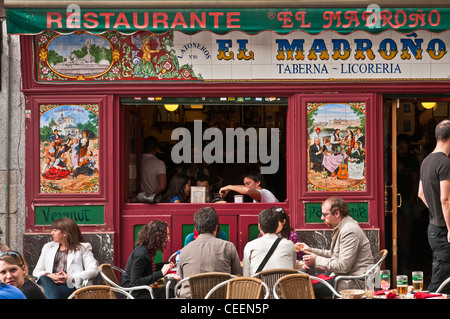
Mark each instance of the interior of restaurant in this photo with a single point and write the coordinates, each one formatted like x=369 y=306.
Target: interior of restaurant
x=417 y=117
x=160 y=117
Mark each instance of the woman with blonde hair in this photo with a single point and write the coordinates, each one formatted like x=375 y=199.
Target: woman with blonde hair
x=66 y=263
x=14 y=272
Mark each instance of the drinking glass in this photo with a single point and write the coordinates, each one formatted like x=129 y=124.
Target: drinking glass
x=402 y=285
x=417 y=280
x=385 y=279
x=370 y=279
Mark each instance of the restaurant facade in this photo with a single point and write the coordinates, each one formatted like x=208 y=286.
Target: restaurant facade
x=230 y=89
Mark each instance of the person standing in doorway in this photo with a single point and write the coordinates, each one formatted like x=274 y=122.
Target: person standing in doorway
x=434 y=191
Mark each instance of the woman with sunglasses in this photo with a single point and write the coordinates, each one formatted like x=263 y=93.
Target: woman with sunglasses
x=14 y=272
x=67 y=262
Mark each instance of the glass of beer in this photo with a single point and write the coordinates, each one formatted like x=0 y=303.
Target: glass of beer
x=402 y=285
x=385 y=279
x=417 y=280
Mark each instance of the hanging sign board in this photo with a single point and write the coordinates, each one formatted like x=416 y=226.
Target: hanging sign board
x=82 y=215
x=358 y=211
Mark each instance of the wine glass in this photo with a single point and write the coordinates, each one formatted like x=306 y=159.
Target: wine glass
x=385 y=276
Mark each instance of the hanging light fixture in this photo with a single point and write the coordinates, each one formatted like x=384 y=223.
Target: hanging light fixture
x=428 y=105
x=196 y=106
x=171 y=107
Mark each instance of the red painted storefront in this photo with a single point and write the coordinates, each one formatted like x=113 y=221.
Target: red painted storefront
x=122 y=217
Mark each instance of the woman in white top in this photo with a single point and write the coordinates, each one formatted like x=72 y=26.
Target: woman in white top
x=66 y=263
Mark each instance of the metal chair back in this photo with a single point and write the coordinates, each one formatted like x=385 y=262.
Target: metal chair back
x=108 y=275
x=110 y=278
x=444 y=283
x=378 y=261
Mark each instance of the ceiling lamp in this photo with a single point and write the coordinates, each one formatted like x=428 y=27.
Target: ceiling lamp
x=171 y=107
x=196 y=106
x=428 y=105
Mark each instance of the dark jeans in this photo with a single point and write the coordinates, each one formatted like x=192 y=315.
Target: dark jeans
x=54 y=291
x=437 y=238
x=323 y=292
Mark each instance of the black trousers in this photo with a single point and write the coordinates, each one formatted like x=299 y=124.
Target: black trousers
x=437 y=238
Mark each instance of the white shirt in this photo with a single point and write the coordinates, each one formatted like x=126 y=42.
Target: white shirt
x=284 y=255
x=151 y=168
x=266 y=196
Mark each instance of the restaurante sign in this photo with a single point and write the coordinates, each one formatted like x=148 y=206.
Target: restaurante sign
x=250 y=20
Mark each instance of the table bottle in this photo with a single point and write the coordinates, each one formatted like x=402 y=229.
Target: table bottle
x=177 y=261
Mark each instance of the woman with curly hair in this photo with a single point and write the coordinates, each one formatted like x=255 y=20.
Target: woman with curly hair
x=141 y=268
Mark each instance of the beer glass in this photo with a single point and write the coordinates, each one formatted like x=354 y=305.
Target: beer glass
x=402 y=285
x=417 y=280
x=385 y=279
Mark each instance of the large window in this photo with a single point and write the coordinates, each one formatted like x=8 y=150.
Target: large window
x=218 y=138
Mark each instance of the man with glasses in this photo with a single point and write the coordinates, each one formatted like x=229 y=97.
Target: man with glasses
x=350 y=253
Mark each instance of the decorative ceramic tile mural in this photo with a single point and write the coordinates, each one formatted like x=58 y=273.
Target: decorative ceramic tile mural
x=82 y=56
x=237 y=56
x=336 y=147
x=69 y=149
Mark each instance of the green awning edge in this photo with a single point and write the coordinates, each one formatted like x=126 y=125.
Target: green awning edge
x=179 y=4
x=225 y=20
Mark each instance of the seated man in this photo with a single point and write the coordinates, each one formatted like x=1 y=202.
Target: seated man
x=316 y=155
x=203 y=180
x=350 y=252
x=207 y=253
x=253 y=187
x=284 y=255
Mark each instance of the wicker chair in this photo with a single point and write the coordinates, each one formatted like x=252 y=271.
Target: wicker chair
x=243 y=288
x=294 y=286
x=299 y=286
x=98 y=292
x=271 y=276
x=201 y=284
x=378 y=260
x=108 y=275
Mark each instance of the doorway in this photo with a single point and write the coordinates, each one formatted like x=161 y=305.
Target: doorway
x=406 y=144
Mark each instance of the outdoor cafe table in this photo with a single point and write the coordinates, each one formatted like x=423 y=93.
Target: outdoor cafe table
x=392 y=294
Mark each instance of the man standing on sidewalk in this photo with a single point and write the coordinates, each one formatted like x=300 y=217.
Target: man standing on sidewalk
x=434 y=190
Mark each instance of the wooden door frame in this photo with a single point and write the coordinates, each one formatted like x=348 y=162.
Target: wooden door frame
x=394 y=106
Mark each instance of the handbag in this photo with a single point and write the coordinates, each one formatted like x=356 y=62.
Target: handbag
x=269 y=253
